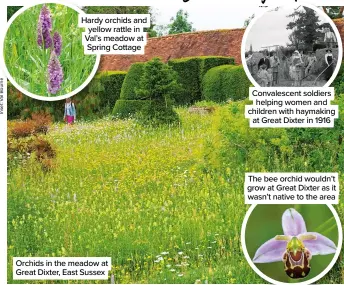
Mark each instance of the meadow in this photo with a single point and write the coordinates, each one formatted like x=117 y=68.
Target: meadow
x=27 y=62
x=165 y=203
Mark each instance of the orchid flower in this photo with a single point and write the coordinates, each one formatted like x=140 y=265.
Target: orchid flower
x=55 y=74
x=296 y=247
x=44 y=27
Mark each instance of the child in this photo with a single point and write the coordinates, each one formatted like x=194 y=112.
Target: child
x=264 y=76
x=70 y=112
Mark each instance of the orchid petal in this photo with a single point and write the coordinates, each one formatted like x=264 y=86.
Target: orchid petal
x=293 y=223
x=321 y=245
x=270 y=251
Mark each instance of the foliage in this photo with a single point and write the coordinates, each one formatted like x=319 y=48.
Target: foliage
x=276 y=150
x=96 y=100
x=24 y=140
x=158 y=81
x=27 y=62
x=132 y=81
x=11 y=10
x=334 y=12
x=20 y=150
x=158 y=85
x=107 y=86
x=338 y=83
x=38 y=123
x=128 y=108
x=304 y=27
x=157 y=112
x=209 y=62
x=180 y=23
x=226 y=82
x=191 y=71
x=22 y=129
x=248 y=20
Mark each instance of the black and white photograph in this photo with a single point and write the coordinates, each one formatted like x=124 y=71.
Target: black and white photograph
x=292 y=47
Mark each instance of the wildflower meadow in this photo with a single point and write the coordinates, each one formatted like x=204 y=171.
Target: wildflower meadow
x=165 y=203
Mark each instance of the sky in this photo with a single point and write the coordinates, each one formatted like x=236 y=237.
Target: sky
x=271 y=29
x=205 y=16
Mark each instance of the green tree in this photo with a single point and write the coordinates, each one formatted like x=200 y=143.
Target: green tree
x=304 y=27
x=180 y=23
x=124 y=10
x=334 y=12
x=158 y=84
x=248 y=20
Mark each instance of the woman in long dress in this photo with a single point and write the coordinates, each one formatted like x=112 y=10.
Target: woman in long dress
x=296 y=69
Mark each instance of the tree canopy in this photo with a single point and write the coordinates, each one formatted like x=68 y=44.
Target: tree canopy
x=180 y=23
x=304 y=27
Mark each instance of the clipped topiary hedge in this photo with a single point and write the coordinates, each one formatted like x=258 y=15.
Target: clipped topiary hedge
x=191 y=71
x=188 y=70
x=213 y=61
x=132 y=81
x=128 y=108
x=95 y=100
x=225 y=82
x=111 y=83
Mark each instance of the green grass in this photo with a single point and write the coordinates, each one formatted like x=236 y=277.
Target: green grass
x=27 y=62
x=136 y=194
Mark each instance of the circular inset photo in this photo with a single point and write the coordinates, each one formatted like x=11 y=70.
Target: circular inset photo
x=292 y=46
x=43 y=52
x=292 y=243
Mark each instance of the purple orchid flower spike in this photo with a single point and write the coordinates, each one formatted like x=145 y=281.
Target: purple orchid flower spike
x=296 y=247
x=55 y=74
x=44 y=27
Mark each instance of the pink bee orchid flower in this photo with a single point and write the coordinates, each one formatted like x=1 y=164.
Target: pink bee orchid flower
x=296 y=247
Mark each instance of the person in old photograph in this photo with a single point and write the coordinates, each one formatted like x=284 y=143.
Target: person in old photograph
x=330 y=37
x=264 y=60
x=296 y=69
x=329 y=59
x=312 y=59
x=264 y=76
x=250 y=62
x=297 y=45
x=274 y=63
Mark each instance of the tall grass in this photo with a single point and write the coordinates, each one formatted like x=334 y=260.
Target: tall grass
x=158 y=201
x=27 y=62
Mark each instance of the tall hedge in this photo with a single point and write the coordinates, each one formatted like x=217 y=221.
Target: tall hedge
x=110 y=83
x=226 y=82
x=191 y=71
x=127 y=108
x=132 y=81
x=95 y=100
x=213 y=61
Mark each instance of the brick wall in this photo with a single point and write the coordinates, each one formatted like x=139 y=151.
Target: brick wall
x=217 y=42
